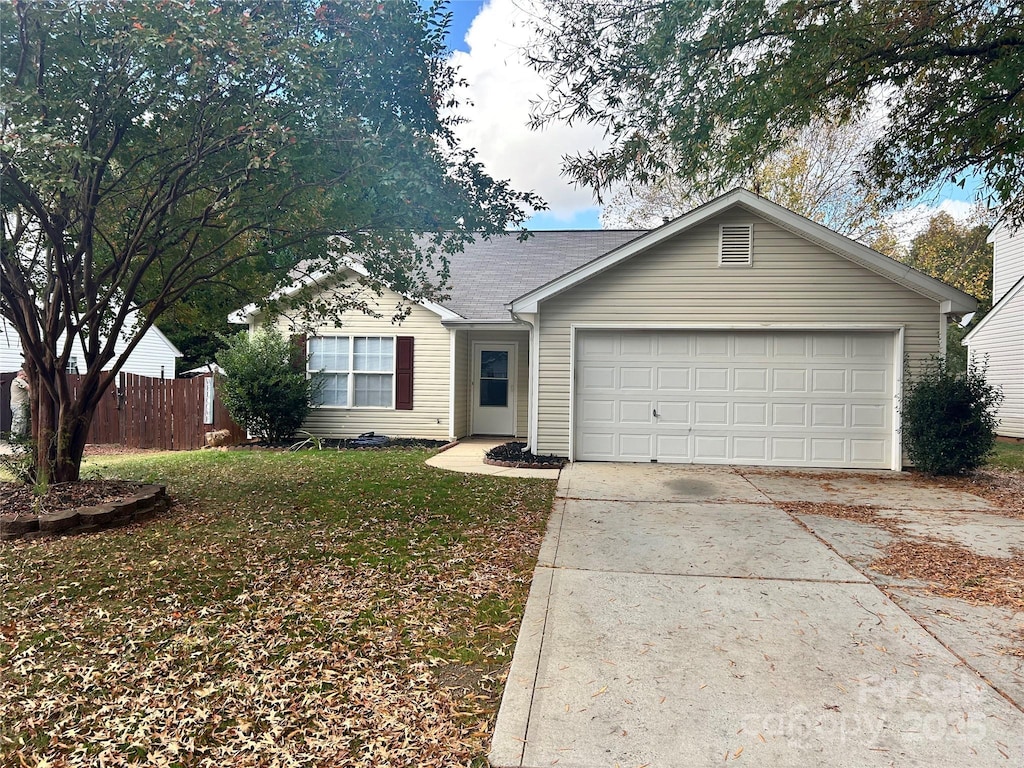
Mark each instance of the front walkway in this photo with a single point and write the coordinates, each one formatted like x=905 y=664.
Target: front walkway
x=468 y=456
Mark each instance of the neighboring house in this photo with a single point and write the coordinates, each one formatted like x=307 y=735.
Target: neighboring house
x=999 y=337
x=740 y=333
x=154 y=355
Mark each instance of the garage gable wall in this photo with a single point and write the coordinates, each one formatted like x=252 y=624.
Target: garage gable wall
x=429 y=417
x=680 y=283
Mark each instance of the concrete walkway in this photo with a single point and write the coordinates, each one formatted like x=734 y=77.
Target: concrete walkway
x=678 y=618
x=468 y=456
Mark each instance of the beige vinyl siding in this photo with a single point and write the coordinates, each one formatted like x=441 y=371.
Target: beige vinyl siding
x=792 y=280
x=521 y=338
x=429 y=416
x=462 y=354
x=1007 y=260
x=1001 y=341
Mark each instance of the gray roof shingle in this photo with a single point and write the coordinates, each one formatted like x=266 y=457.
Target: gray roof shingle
x=488 y=274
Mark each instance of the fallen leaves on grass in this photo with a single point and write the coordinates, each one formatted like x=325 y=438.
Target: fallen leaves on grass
x=312 y=611
x=954 y=571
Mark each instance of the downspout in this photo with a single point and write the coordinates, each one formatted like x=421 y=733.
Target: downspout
x=532 y=319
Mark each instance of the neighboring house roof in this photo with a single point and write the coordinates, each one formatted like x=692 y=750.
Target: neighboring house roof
x=994 y=312
x=860 y=254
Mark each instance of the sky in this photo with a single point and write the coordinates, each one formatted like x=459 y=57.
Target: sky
x=486 y=38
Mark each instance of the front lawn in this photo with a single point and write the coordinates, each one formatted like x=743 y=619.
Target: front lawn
x=308 y=609
x=1007 y=456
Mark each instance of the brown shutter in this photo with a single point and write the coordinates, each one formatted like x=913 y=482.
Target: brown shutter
x=299 y=354
x=403 y=373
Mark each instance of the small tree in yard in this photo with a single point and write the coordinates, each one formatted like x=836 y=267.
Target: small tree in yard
x=263 y=388
x=949 y=419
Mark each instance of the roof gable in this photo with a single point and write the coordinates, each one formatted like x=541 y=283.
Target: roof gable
x=782 y=217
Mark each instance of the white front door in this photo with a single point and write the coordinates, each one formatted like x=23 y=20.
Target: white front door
x=494 y=392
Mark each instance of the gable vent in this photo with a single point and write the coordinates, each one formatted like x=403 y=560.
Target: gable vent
x=736 y=245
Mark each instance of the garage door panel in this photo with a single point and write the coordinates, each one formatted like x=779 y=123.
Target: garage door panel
x=636 y=445
x=636 y=412
x=636 y=377
x=750 y=380
x=712 y=380
x=750 y=414
x=758 y=397
x=674 y=378
x=673 y=412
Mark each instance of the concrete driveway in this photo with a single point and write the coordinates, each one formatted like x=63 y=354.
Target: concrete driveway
x=678 y=617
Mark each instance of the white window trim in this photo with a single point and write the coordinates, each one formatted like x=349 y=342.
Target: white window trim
x=351 y=373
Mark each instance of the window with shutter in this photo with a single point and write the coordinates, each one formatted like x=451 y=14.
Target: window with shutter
x=736 y=245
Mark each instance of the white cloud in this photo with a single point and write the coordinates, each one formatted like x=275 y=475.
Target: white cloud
x=501 y=87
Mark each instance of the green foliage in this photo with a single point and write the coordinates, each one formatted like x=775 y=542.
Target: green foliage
x=262 y=387
x=948 y=419
x=20 y=463
x=956 y=253
x=174 y=156
x=718 y=87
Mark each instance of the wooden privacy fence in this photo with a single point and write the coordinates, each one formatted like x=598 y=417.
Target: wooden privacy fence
x=141 y=412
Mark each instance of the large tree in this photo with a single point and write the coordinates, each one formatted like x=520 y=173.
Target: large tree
x=820 y=174
x=707 y=89
x=148 y=147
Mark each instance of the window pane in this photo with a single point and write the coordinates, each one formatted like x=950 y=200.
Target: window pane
x=373 y=390
x=493 y=364
x=372 y=353
x=494 y=392
x=328 y=353
x=332 y=389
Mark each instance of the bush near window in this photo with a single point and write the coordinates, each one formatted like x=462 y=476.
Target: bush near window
x=263 y=387
x=949 y=418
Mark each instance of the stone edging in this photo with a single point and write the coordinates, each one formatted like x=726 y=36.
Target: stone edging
x=146 y=502
x=520 y=464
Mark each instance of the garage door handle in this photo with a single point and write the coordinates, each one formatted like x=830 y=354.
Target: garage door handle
x=655 y=412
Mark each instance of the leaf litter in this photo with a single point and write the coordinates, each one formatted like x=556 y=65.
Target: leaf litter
x=314 y=611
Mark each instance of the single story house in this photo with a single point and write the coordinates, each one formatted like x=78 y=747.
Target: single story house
x=998 y=339
x=154 y=356
x=739 y=333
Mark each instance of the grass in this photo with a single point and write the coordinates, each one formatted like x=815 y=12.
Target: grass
x=1007 y=456
x=320 y=608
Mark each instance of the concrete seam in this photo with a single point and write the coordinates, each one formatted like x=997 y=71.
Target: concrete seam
x=884 y=589
x=543 y=633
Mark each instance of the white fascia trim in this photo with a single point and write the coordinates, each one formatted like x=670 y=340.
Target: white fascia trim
x=484 y=325
x=897 y=400
x=1003 y=302
x=809 y=326
x=859 y=254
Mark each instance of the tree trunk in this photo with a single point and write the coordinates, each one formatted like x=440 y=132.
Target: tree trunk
x=61 y=428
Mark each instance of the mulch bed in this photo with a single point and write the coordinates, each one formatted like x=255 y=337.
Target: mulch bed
x=377 y=443
x=516 y=455
x=17 y=499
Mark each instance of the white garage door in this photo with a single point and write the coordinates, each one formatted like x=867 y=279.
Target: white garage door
x=815 y=399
